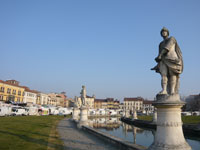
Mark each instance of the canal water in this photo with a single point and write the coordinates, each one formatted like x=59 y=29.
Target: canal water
x=144 y=137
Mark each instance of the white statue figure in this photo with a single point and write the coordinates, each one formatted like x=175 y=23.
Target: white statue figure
x=76 y=103
x=83 y=96
x=170 y=63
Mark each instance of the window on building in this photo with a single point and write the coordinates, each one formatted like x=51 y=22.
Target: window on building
x=19 y=93
x=1 y=97
x=2 y=89
x=8 y=90
x=14 y=92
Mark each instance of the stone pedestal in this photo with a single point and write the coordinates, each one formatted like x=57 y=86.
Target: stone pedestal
x=169 y=133
x=135 y=114
x=83 y=116
x=75 y=116
x=127 y=113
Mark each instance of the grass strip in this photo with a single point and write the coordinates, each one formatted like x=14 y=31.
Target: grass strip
x=185 y=119
x=54 y=142
x=29 y=132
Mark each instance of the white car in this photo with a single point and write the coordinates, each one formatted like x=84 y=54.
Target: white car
x=17 y=111
x=64 y=111
x=53 y=111
x=5 y=111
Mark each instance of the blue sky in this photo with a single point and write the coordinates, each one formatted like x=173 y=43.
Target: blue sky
x=107 y=45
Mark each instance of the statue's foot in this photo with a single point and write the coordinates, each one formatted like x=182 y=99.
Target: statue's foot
x=163 y=92
x=172 y=93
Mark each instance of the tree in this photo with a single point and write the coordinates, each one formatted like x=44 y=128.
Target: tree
x=193 y=103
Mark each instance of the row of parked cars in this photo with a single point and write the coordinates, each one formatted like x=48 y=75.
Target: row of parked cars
x=190 y=113
x=14 y=110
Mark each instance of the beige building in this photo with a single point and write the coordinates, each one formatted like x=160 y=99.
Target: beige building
x=30 y=96
x=64 y=102
x=133 y=104
x=55 y=99
x=43 y=99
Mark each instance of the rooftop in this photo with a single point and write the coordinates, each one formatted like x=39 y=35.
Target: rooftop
x=11 y=83
x=134 y=99
x=147 y=102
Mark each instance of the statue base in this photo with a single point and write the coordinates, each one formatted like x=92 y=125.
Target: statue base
x=165 y=98
x=135 y=115
x=76 y=112
x=127 y=113
x=169 y=133
x=83 y=117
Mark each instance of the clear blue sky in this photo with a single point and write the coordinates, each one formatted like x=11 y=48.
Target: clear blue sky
x=107 y=45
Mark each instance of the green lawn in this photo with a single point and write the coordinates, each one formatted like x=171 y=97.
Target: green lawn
x=29 y=133
x=185 y=119
x=191 y=119
x=148 y=118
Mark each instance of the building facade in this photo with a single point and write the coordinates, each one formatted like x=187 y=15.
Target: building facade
x=30 y=96
x=148 y=107
x=56 y=99
x=43 y=99
x=108 y=103
x=99 y=103
x=133 y=104
x=10 y=90
x=64 y=102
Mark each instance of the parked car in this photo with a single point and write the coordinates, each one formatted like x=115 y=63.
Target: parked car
x=33 y=110
x=53 y=110
x=64 y=111
x=43 y=111
x=18 y=111
x=5 y=111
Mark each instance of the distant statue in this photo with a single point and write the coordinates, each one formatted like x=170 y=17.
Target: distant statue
x=170 y=63
x=83 y=96
x=76 y=103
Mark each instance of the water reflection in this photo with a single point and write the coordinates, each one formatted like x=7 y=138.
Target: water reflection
x=128 y=128
x=120 y=129
x=130 y=133
x=105 y=123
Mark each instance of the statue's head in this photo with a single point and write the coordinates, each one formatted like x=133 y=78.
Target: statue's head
x=164 y=32
x=83 y=86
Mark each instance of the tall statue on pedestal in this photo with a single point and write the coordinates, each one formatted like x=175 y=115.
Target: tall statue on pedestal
x=83 y=96
x=83 y=110
x=169 y=132
x=170 y=63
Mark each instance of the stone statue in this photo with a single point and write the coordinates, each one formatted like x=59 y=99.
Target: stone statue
x=170 y=63
x=83 y=96
x=76 y=103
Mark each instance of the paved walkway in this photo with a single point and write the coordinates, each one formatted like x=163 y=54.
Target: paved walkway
x=77 y=139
